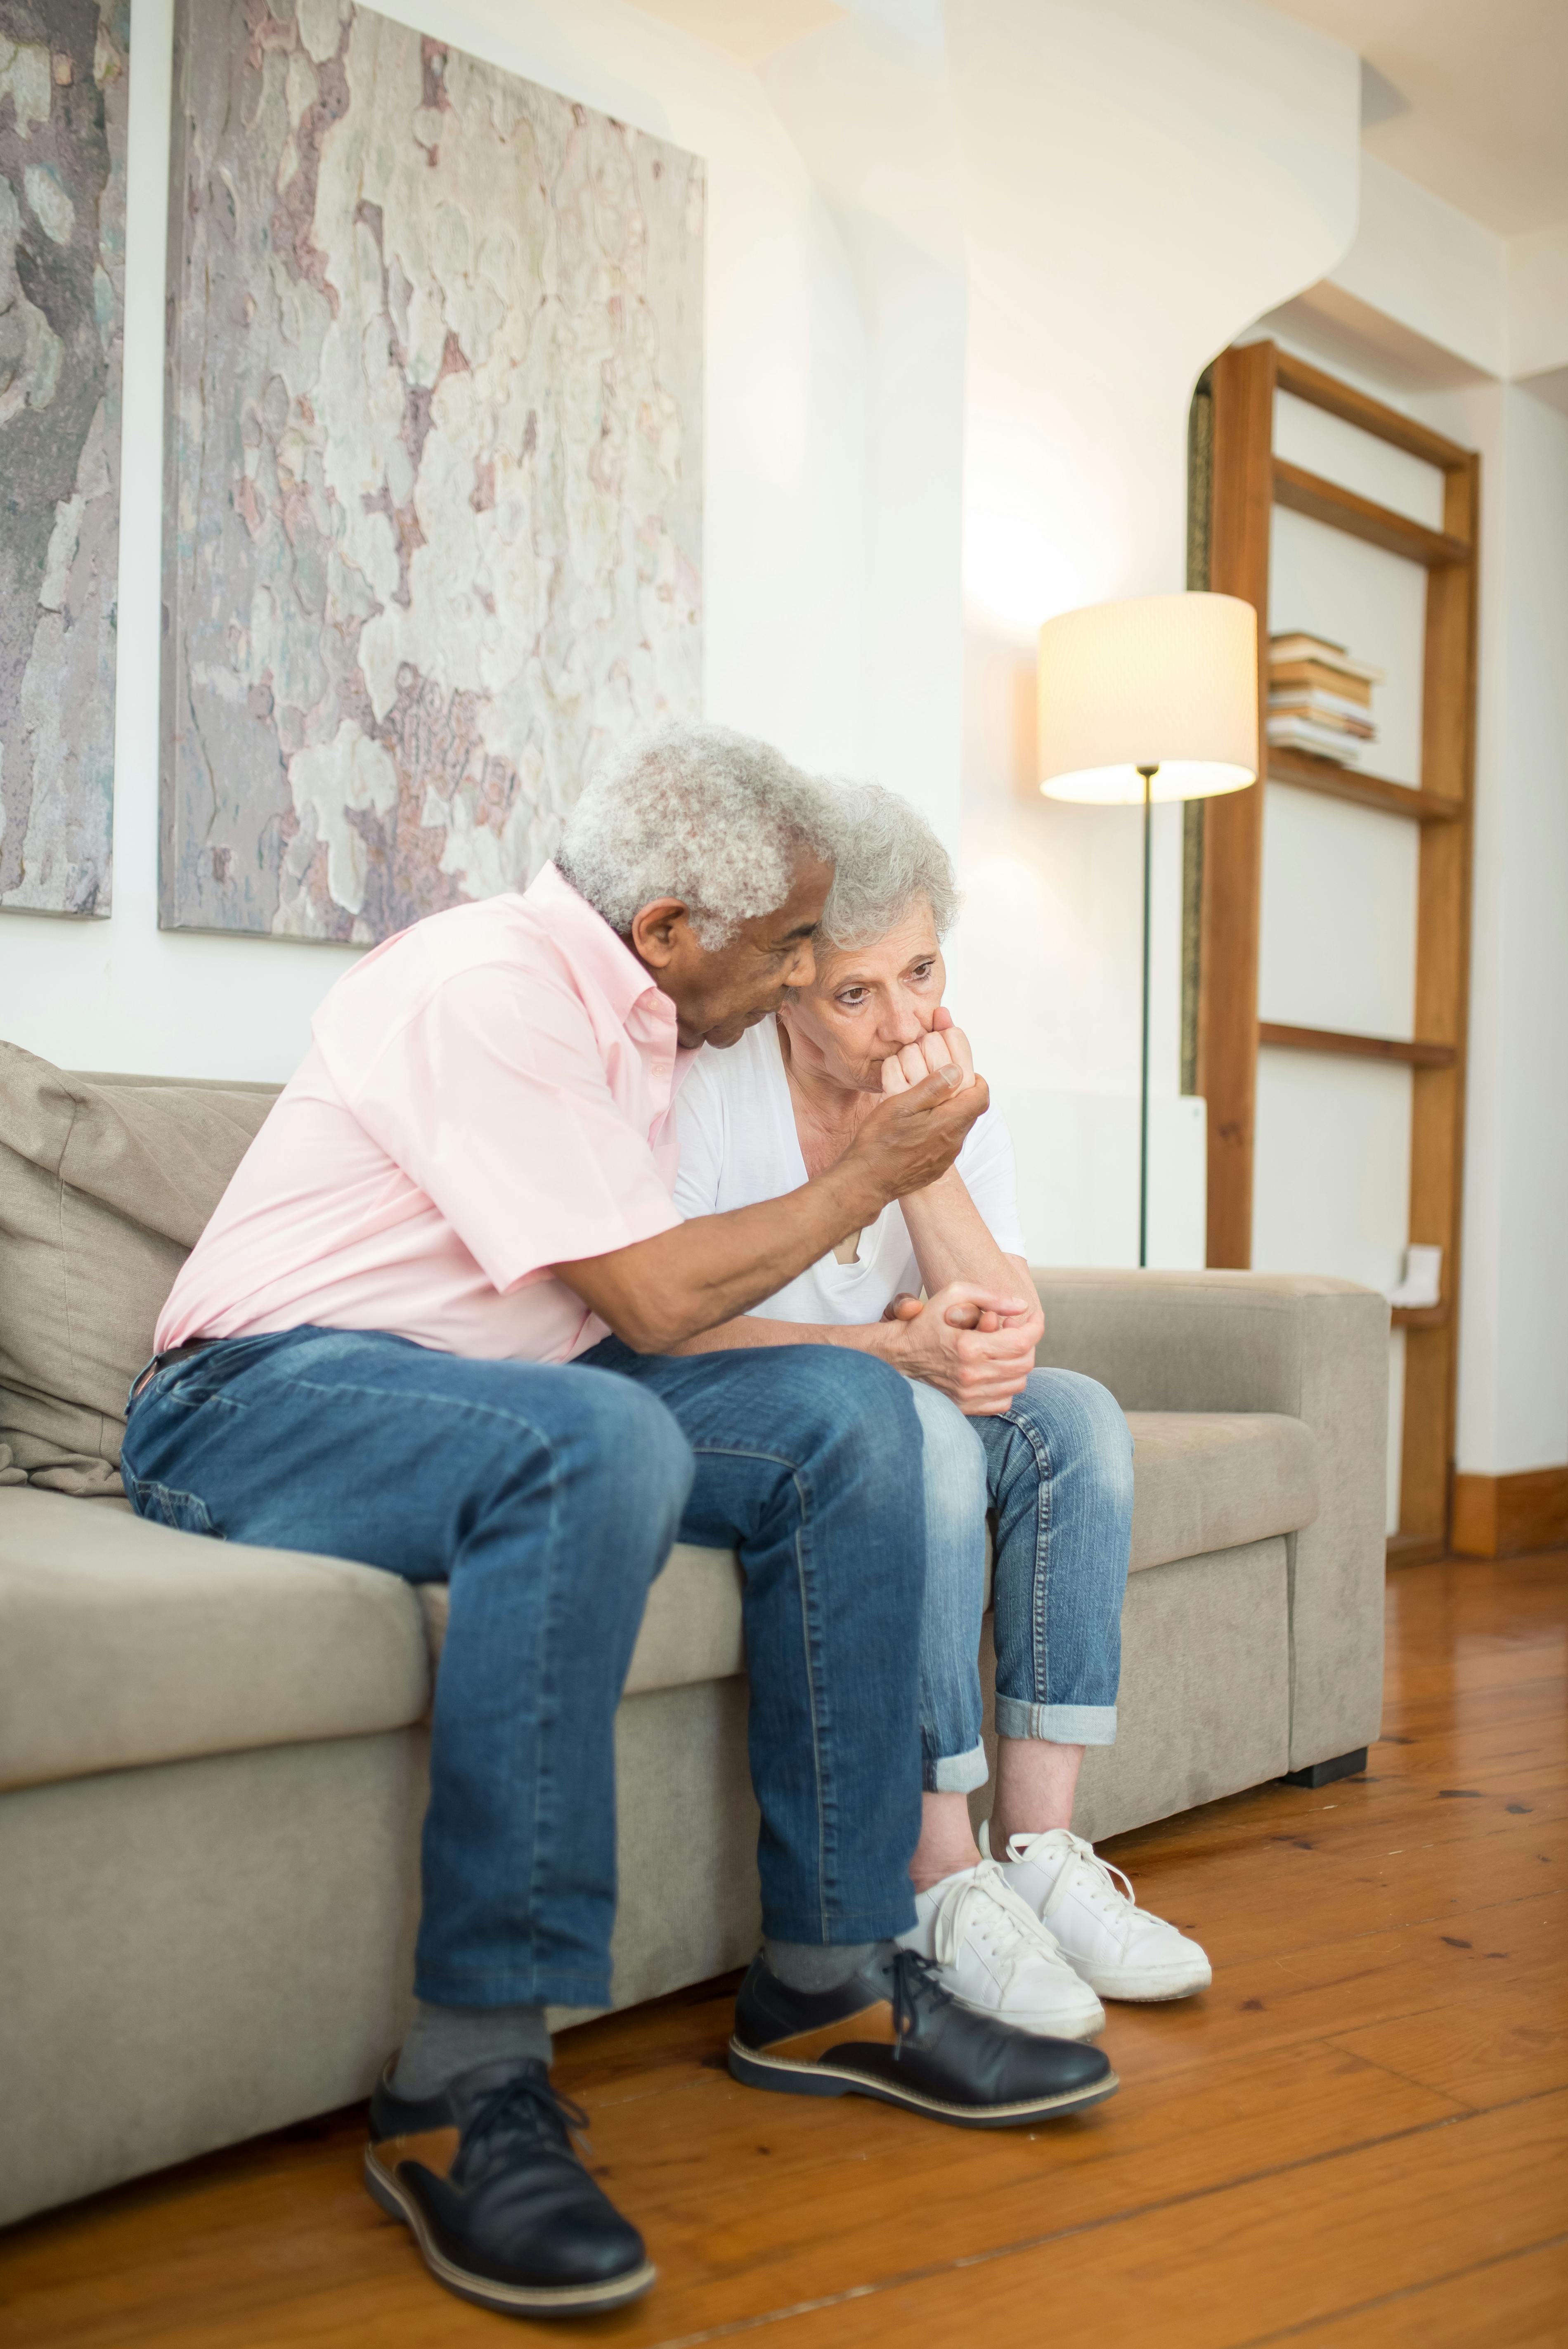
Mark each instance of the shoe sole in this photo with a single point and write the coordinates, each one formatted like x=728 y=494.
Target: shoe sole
x=755 y=2069
x=1144 y=1989
x=510 y=2299
x=1040 y=2026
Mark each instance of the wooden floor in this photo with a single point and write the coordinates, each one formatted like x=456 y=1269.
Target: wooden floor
x=1359 y=2138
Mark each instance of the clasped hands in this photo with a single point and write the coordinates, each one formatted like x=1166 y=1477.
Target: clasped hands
x=975 y=1345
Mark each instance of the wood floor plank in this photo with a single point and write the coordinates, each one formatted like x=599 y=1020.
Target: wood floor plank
x=742 y=2196
x=1518 y=2302
x=1233 y=2270
x=1488 y=2046
x=1357 y=2137
x=1289 y=1891
x=1321 y=1992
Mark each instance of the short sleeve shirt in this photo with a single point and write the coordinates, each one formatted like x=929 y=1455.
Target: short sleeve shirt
x=486 y=1095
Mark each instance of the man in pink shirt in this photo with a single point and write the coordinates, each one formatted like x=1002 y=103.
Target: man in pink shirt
x=429 y=1328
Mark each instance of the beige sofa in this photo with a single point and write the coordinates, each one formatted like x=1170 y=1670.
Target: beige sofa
x=212 y=1758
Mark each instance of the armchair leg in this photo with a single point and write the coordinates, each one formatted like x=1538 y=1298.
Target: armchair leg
x=1324 y=1774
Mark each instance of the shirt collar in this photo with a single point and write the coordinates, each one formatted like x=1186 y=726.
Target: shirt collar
x=592 y=946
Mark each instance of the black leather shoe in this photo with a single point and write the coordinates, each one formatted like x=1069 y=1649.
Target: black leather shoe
x=891 y=2031
x=501 y=2207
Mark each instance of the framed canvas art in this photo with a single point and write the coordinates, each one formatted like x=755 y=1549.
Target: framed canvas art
x=433 y=466
x=62 y=322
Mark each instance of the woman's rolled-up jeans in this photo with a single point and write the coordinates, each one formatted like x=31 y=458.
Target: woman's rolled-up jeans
x=1056 y=1468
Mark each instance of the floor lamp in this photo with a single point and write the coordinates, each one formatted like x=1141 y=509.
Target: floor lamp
x=1152 y=699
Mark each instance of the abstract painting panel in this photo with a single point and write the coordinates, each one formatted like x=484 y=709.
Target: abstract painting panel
x=433 y=466
x=62 y=313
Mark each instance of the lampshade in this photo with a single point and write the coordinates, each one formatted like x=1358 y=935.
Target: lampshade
x=1165 y=681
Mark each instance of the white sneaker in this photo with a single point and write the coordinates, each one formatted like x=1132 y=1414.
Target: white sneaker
x=996 y=1957
x=1118 y=1948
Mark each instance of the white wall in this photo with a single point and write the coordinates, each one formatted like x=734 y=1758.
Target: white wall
x=1418 y=260
x=1513 y=1332
x=784 y=526
x=1139 y=181
x=1538 y=302
x=868 y=103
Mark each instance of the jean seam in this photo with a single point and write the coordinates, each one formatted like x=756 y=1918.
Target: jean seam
x=1040 y=1597
x=436 y=1402
x=807 y=1614
x=546 y=1698
x=445 y=1403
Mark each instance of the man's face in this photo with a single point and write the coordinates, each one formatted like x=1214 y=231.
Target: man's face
x=719 y=993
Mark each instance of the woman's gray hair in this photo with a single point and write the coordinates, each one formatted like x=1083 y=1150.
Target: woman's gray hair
x=701 y=814
x=888 y=861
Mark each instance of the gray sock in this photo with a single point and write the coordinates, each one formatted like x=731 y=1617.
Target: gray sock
x=815 y=1965
x=446 y=2040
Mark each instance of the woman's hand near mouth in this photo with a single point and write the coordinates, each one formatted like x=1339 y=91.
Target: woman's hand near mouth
x=943 y=1046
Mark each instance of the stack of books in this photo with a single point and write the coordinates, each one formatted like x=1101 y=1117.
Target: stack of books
x=1320 y=699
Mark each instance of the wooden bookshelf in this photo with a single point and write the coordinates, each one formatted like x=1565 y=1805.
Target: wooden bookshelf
x=1414 y=1054
x=1245 y=480
x=1352 y=407
x=1306 y=773
x=1310 y=494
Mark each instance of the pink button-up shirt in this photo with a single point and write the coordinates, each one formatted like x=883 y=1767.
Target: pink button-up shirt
x=488 y=1095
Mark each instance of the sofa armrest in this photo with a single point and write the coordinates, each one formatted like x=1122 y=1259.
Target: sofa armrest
x=1302 y=1344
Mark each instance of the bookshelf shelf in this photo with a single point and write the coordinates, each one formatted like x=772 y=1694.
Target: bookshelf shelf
x=1323 y=500
x=1414 y=1054
x=1242 y=481
x=1352 y=407
x=1309 y=774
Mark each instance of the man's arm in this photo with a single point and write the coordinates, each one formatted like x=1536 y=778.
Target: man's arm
x=662 y=1291
x=974 y=1345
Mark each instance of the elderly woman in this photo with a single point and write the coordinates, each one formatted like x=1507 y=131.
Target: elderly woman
x=1039 y=1934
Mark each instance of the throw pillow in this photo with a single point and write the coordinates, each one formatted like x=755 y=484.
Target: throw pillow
x=106 y=1183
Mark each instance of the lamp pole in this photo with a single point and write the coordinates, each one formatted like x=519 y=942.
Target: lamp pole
x=1148 y=774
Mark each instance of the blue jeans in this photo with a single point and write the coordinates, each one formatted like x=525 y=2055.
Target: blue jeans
x=547 y=1497
x=1056 y=1467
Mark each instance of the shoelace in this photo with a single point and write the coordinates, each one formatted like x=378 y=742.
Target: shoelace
x=988 y=1904
x=916 y=1990
x=1100 y=1888
x=525 y=2109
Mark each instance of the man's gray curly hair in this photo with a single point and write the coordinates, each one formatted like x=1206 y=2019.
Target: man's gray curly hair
x=888 y=859
x=701 y=814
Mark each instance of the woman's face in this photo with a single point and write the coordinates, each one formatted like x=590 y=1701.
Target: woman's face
x=867 y=1002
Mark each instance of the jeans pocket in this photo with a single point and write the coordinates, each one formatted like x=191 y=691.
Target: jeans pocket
x=185 y=1511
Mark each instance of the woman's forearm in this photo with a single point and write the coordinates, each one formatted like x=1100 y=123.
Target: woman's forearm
x=756 y=1330
x=951 y=1241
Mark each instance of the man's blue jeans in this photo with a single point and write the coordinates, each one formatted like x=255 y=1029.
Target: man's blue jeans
x=1056 y=1468
x=548 y=1496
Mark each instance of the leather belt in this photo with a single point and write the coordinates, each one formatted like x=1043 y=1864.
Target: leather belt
x=150 y=1370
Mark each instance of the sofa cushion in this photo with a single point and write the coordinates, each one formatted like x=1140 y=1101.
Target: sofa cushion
x=1207 y=1480
x=691 y=1629
x=123 y=1642
x=105 y=1184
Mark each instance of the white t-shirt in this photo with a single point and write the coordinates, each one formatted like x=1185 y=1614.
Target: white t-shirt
x=738 y=1146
